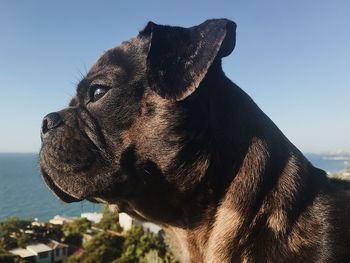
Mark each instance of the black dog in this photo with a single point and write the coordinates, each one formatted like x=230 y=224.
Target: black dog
x=157 y=129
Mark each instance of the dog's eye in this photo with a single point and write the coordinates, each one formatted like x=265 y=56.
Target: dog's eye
x=96 y=92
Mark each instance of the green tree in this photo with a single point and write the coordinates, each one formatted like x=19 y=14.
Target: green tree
x=54 y=232
x=2 y=250
x=13 y=224
x=74 y=239
x=138 y=243
x=16 y=232
x=47 y=230
x=73 y=231
x=77 y=226
x=9 y=258
x=104 y=247
x=13 y=233
x=109 y=221
x=152 y=257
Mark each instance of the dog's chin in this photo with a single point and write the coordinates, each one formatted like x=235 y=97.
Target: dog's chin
x=95 y=184
x=58 y=191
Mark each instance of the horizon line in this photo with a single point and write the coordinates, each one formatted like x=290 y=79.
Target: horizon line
x=308 y=152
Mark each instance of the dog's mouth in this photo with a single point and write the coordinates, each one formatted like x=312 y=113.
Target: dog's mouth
x=61 y=194
x=71 y=156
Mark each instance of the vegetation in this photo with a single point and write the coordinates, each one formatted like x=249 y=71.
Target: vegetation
x=73 y=231
x=108 y=243
x=15 y=232
x=136 y=245
x=77 y=226
x=109 y=221
x=104 y=247
x=9 y=258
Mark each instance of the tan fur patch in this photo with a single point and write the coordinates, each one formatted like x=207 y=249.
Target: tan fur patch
x=229 y=217
x=277 y=221
x=219 y=249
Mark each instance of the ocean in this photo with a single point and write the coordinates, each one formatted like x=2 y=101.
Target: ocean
x=24 y=194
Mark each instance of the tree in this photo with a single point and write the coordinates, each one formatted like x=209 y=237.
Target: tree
x=16 y=232
x=74 y=239
x=9 y=258
x=104 y=247
x=54 y=232
x=138 y=243
x=45 y=231
x=109 y=221
x=6 y=257
x=152 y=257
x=13 y=233
x=73 y=231
x=77 y=226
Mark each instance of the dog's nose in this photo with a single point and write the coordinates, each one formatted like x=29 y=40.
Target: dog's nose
x=51 y=121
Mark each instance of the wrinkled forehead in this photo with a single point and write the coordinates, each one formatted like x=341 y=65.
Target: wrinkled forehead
x=117 y=65
x=126 y=59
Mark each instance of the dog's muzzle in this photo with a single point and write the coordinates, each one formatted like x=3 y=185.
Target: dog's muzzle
x=50 y=122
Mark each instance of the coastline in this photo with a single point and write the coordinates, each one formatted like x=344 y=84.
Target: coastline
x=24 y=194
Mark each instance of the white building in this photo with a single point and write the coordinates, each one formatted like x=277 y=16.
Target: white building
x=42 y=251
x=60 y=220
x=59 y=251
x=93 y=217
x=52 y=252
x=27 y=255
x=126 y=222
x=38 y=253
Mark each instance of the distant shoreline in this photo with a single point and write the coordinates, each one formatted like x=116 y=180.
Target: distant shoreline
x=27 y=196
x=10 y=153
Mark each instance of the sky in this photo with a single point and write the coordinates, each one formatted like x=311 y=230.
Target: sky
x=291 y=57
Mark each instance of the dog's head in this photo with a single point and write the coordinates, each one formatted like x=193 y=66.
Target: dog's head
x=134 y=134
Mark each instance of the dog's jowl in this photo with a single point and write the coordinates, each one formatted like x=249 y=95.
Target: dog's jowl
x=158 y=130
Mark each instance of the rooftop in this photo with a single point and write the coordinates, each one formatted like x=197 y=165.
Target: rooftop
x=38 y=248
x=55 y=244
x=59 y=220
x=94 y=217
x=22 y=252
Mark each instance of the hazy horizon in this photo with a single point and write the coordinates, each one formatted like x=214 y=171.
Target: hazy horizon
x=316 y=153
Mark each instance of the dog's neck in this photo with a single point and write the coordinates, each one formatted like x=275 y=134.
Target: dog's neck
x=254 y=183
x=261 y=204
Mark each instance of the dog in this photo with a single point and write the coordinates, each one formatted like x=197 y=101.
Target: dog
x=157 y=130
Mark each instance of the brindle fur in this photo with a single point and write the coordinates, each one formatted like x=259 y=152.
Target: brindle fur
x=175 y=142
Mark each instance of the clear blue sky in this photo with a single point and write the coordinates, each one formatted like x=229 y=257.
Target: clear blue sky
x=292 y=57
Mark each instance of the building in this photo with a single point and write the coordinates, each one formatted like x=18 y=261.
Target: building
x=27 y=255
x=51 y=252
x=60 y=220
x=151 y=227
x=35 y=253
x=126 y=222
x=59 y=251
x=43 y=252
x=93 y=217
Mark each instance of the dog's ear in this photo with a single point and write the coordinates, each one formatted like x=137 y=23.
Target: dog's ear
x=179 y=58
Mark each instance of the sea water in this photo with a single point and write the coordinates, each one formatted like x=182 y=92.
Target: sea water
x=24 y=194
